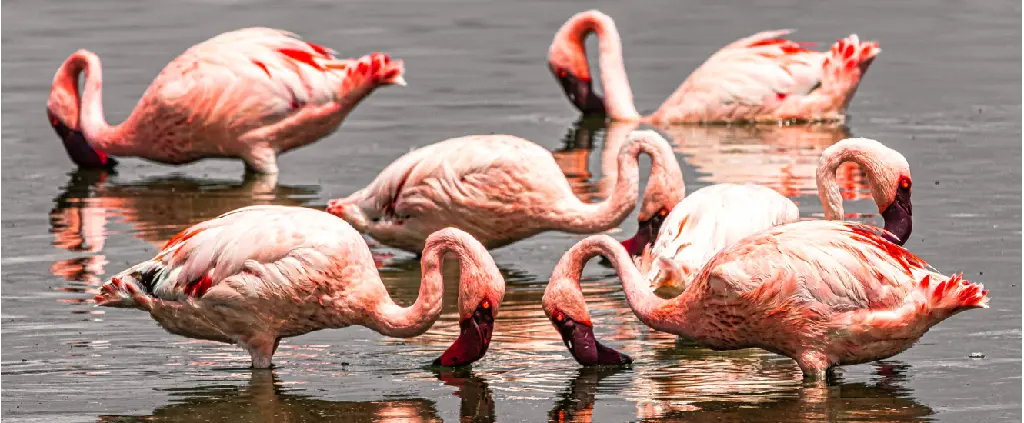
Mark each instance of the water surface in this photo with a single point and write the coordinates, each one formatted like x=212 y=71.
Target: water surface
x=943 y=92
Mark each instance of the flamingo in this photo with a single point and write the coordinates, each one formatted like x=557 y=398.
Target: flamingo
x=251 y=93
x=720 y=215
x=761 y=78
x=823 y=293
x=261 y=273
x=500 y=189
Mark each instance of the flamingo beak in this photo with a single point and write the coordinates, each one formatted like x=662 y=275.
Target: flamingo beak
x=584 y=347
x=474 y=338
x=79 y=149
x=899 y=218
x=581 y=93
x=635 y=245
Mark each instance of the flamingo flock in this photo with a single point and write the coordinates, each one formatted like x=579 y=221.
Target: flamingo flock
x=729 y=266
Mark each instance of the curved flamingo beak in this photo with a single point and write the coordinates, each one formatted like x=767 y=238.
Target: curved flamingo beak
x=899 y=218
x=473 y=340
x=581 y=93
x=645 y=234
x=79 y=149
x=584 y=347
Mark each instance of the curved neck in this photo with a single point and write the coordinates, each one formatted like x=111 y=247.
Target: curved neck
x=586 y=218
x=867 y=156
x=475 y=268
x=91 y=120
x=639 y=295
x=618 y=94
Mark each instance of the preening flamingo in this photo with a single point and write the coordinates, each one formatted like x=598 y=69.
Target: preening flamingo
x=258 y=274
x=823 y=293
x=761 y=78
x=500 y=189
x=720 y=215
x=252 y=94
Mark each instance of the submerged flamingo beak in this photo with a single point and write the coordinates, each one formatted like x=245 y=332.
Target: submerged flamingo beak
x=584 y=347
x=473 y=340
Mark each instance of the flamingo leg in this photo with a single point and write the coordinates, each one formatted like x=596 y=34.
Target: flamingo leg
x=262 y=157
x=262 y=348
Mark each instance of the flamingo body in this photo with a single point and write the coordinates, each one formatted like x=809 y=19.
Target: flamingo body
x=261 y=273
x=705 y=222
x=251 y=93
x=761 y=78
x=500 y=189
x=824 y=293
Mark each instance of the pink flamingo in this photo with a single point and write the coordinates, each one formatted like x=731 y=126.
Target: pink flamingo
x=761 y=78
x=823 y=293
x=258 y=274
x=500 y=189
x=720 y=215
x=251 y=93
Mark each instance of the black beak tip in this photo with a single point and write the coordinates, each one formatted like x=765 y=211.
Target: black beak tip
x=437 y=362
x=626 y=359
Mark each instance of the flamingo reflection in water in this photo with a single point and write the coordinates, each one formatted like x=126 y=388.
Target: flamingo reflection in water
x=155 y=208
x=266 y=399
x=783 y=158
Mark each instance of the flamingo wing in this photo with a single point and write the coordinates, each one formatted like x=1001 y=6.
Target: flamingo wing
x=841 y=265
x=279 y=245
x=245 y=79
x=471 y=174
x=747 y=75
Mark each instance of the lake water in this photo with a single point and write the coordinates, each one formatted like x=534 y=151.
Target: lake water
x=944 y=92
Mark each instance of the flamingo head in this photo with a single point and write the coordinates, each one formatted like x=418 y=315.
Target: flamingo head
x=564 y=304
x=646 y=233
x=888 y=175
x=62 y=111
x=569 y=66
x=481 y=289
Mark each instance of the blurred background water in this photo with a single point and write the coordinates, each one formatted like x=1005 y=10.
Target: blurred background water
x=943 y=92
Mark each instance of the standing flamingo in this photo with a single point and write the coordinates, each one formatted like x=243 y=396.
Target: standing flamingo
x=258 y=274
x=822 y=293
x=720 y=215
x=252 y=93
x=501 y=189
x=761 y=78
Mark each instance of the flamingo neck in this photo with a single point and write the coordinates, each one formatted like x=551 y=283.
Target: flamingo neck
x=609 y=213
x=642 y=300
x=868 y=157
x=618 y=94
x=92 y=122
x=478 y=278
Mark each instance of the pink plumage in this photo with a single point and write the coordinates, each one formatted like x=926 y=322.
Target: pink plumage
x=262 y=273
x=251 y=94
x=824 y=293
x=761 y=78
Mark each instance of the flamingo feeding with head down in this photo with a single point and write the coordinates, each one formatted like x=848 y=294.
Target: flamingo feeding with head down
x=822 y=293
x=500 y=189
x=761 y=78
x=258 y=274
x=252 y=94
x=717 y=216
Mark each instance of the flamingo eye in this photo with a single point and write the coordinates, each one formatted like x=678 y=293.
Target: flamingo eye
x=486 y=304
x=905 y=183
x=562 y=74
x=662 y=212
x=559 y=317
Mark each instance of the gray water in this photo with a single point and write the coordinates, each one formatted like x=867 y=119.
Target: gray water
x=944 y=92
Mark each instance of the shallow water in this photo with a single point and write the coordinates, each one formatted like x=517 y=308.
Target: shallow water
x=943 y=92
